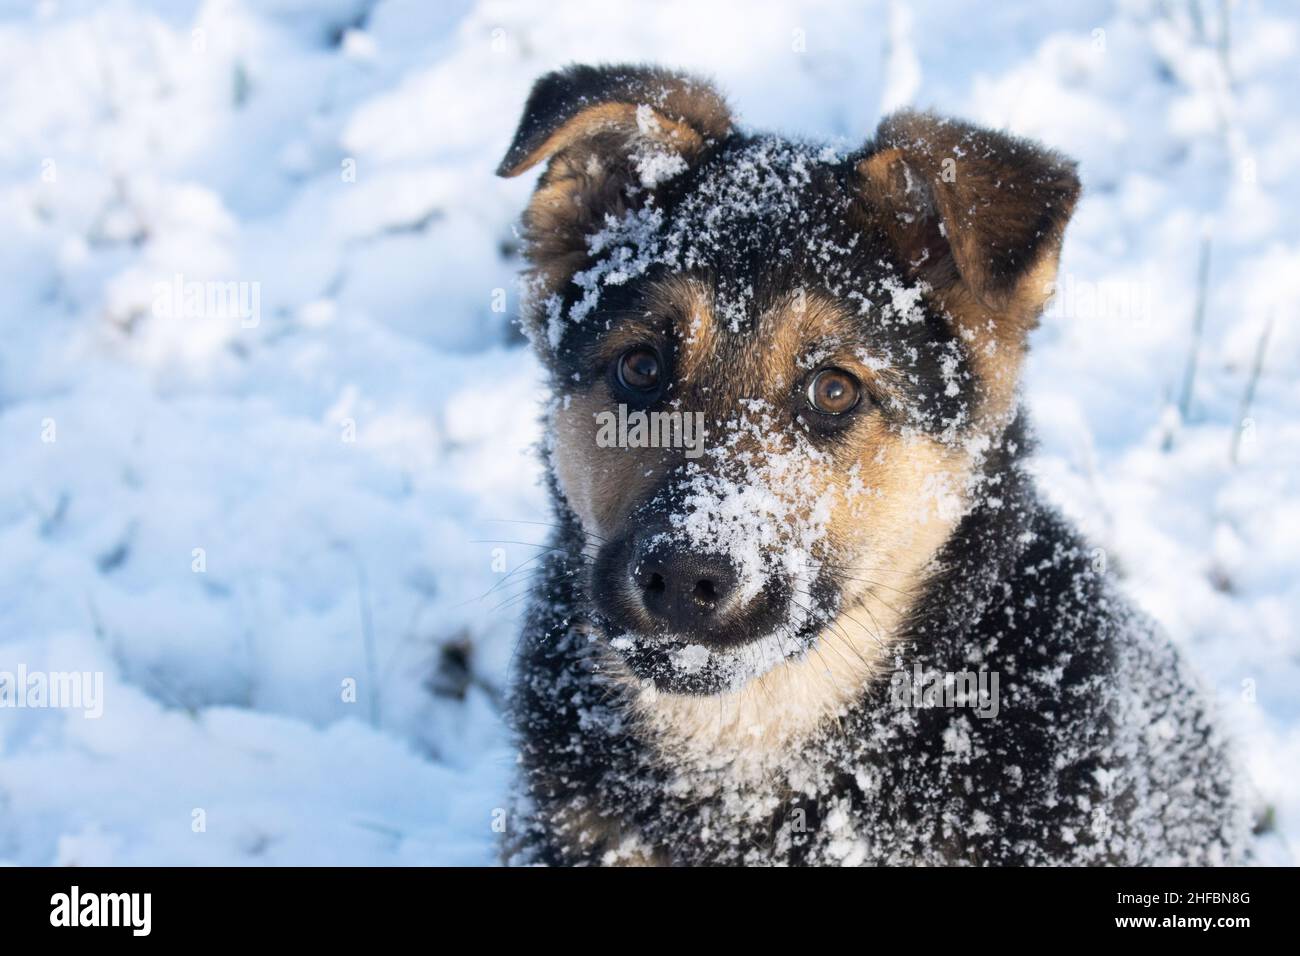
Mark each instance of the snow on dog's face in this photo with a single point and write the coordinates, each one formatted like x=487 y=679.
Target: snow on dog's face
x=777 y=367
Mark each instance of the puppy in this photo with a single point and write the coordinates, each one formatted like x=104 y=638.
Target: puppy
x=834 y=623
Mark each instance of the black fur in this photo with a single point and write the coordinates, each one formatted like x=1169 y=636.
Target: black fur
x=1103 y=752
x=1023 y=789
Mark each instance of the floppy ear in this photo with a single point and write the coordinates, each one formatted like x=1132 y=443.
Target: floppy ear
x=612 y=135
x=974 y=212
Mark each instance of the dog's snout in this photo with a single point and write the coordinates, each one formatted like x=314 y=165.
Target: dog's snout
x=684 y=591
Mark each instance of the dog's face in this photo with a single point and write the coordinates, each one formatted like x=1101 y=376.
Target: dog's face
x=777 y=367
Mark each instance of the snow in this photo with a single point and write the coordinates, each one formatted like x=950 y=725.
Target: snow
x=233 y=519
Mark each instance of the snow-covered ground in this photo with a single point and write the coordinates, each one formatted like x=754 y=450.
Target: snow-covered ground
x=240 y=513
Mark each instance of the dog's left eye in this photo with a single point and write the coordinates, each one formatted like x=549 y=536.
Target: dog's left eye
x=834 y=391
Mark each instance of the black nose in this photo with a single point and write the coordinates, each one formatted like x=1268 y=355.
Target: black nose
x=684 y=591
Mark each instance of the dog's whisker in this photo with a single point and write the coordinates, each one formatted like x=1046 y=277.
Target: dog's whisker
x=529 y=575
x=549 y=524
x=839 y=630
x=845 y=567
x=835 y=624
x=869 y=592
x=511 y=601
x=907 y=592
x=522 y=544
x=875 y=634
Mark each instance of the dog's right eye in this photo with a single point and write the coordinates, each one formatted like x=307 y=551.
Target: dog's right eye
x=834 y=391
x=638 y=369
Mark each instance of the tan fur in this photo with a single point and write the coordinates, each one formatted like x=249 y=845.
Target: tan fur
x=687 y=301
x=601 y=485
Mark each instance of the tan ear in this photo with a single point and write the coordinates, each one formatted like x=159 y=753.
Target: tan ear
x=970 y=205
x=613 y=135
x=978 y=216
x=572 y=106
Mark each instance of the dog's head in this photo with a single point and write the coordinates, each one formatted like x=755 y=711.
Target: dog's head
x=847 y=327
